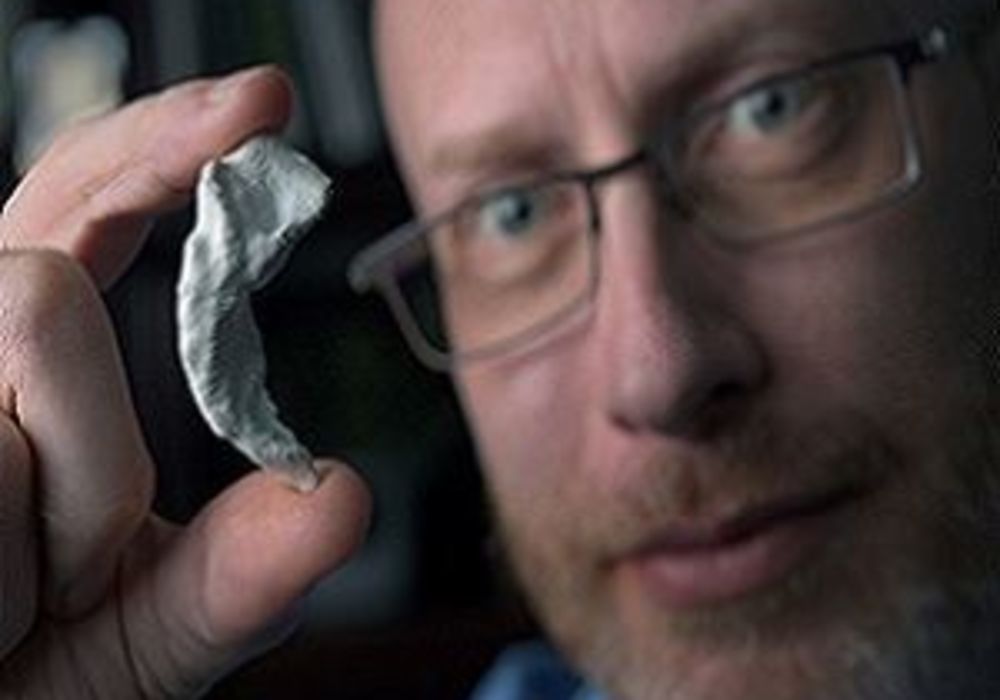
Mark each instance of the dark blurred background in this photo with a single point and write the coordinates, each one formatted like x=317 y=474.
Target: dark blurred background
x=421 y=612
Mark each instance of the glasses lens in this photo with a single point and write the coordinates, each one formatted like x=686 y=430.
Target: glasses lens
x=500 y=269
x=799 y=151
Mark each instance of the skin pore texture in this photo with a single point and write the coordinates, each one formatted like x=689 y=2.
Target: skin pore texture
x=706 y=381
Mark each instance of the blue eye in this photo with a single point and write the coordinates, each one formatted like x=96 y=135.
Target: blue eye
x=511 y=213
x=770 y=109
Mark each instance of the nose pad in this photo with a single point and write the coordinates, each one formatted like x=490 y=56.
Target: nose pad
x=674 y=359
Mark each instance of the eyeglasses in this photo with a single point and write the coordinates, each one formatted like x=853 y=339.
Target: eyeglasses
x=790 y=154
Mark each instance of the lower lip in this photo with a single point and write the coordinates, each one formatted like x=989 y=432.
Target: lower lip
x=713 y=575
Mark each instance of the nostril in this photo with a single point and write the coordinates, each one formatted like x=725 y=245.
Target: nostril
x=725 y=391
x=719 y=410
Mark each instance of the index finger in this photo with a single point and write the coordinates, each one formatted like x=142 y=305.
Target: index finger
x=93 y=193
x=91 y=473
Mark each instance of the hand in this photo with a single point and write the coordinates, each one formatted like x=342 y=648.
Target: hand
x=98 y=596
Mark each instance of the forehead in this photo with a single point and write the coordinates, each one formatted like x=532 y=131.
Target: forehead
x=443 y=27
x=459 y=70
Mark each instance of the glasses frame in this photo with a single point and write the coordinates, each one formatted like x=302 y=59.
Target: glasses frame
x=376 y=267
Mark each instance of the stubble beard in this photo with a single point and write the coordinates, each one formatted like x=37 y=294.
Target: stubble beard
x=925 y=628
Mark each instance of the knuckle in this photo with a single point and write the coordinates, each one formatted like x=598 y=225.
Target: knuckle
x=132 y=503
x=113 y=525
x=190 y=91
x=43 y=295
x=181 y=104
x=43 y=284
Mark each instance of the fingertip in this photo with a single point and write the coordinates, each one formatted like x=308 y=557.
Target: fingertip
x=349 y=489
x=268 y=82
x=264 y=94
x=336 y=512
x=196 y=122
x=265 y=545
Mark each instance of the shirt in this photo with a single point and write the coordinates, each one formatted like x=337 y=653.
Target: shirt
x=533 y=671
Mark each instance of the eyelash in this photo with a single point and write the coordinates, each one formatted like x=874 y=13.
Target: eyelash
x=754 y=74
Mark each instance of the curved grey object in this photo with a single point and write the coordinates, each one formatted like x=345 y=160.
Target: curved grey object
x=253 y=206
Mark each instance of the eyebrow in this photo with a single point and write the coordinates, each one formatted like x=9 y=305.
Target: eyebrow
x=503 y=146
x=722 y=43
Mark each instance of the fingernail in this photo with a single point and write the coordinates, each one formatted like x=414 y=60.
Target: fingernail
x=230 y=85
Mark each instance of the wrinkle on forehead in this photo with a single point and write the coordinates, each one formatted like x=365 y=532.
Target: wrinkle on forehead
x=454 y=66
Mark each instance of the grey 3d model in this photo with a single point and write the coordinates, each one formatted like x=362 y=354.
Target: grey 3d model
x=253 y=206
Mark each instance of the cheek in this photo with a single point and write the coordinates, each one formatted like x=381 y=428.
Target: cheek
x=899 y=307
x=528 y=418
x=895 y=317
x=934 y=336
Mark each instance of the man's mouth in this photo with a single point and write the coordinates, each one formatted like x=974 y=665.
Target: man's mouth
x=693 y=564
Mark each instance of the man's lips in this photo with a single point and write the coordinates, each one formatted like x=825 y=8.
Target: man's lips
x=699 y=563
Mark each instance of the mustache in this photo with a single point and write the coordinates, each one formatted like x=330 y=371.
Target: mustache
x=760 y=462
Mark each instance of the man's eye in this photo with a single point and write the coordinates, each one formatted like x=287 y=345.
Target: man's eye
x=770 y=109
x=510 y=214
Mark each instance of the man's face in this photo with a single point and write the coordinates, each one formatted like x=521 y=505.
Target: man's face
x=761 y=472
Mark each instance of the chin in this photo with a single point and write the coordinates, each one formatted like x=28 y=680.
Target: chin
x=881 y=615
x=929 y=643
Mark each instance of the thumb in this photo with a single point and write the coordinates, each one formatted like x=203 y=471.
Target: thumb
x=215 y=595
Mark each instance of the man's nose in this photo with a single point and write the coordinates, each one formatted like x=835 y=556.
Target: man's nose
x=675 y=355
